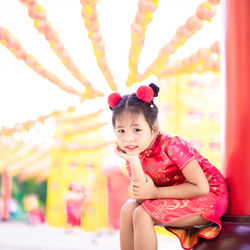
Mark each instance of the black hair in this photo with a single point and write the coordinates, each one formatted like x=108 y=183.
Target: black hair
x=136 y=106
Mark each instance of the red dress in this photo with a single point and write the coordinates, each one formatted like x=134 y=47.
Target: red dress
x=163 y=161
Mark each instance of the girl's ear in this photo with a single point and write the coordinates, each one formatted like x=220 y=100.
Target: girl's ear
x=155 y=129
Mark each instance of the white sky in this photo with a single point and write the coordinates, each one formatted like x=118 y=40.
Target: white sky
x=25 y=95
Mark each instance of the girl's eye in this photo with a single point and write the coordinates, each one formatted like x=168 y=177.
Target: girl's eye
x=121 y=131
x=137 y=130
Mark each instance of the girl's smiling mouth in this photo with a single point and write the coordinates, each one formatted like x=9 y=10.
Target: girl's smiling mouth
x=130 y=147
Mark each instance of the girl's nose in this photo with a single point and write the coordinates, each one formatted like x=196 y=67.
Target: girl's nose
x=130 y=138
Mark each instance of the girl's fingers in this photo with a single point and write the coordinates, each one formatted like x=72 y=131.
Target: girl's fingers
x=118 y=150
x=135 y=194
x=136 y=183
x=117 y=147
x=134 y=188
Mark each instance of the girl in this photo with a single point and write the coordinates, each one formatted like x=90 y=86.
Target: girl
x=173 y=185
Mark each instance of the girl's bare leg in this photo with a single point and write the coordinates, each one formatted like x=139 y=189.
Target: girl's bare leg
x=189 y=222
x=144 y=234
x=126 y=225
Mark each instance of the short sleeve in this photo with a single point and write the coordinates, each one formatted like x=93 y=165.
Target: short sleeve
x=179 y=151
x=128 y=169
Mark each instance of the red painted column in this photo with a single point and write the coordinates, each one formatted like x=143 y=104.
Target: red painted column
x=6 y=188
x=236 y=144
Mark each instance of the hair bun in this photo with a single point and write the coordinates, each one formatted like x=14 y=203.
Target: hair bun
x=145 y=93
x=114 y=99
x=155 y=88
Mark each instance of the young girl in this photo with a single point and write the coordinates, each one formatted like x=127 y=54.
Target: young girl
x=172 y=184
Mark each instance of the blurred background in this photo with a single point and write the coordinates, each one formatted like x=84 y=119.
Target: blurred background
x=59 y=60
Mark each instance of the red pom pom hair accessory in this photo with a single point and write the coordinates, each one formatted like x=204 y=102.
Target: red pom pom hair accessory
x=145 y=94
x=113 y=99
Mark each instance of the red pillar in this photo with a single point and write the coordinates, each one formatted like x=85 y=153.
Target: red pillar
x=6 y=194
x=236 y=145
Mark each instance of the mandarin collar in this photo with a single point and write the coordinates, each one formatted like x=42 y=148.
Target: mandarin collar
x=150 y=149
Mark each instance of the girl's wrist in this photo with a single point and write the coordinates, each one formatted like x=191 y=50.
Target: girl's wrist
x=135 y=161
x=155 y=193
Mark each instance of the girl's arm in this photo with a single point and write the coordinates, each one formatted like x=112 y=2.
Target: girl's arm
x=137 y=172
x=197 y=185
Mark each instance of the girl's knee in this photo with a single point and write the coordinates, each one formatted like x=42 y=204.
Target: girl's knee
x=141 y=216
x=128 y=208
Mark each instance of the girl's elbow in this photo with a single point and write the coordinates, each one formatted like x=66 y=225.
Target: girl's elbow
x=204 y=190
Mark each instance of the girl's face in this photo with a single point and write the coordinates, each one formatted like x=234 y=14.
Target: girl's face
x=133 y=133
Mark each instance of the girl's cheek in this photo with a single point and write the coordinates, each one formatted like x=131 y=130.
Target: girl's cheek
x=137 y=137
x=118 y=137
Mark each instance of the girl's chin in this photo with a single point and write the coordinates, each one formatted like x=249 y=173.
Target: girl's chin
x=134 y=152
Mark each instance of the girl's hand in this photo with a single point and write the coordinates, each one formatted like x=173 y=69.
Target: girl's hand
x=124 y=155
x=143 y=191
